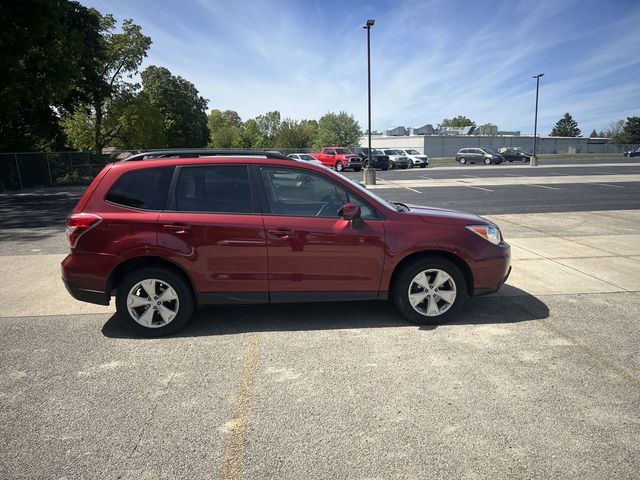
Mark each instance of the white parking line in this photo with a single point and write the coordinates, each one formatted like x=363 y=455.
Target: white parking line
x=543 y=186
x=400 y=186
x=428 y=178
x=607 y=185
x=479 y=188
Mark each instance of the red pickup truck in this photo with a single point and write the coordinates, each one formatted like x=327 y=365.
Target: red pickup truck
x=339 y=158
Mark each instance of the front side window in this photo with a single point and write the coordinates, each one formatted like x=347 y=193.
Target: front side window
x=145 y=188
x=298 y=193
x=343 y=151
x=214 y=189
x=329 y=151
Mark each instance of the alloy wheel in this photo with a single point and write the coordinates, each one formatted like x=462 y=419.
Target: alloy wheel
x=432 y=292
x=153 y=303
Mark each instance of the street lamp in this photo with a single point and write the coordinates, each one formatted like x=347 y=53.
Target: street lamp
x=534 y=159
x=369 y=170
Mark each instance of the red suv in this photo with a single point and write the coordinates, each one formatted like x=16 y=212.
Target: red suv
x=170 y=233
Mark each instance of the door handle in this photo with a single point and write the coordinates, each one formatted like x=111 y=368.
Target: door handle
x=177 y=228
x=280 y=234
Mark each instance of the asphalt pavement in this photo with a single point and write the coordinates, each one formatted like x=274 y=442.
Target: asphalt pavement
x=541 y=380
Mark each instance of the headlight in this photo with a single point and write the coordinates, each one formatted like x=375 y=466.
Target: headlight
x=488 y=232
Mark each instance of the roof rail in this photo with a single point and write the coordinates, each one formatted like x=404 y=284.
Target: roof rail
x=195 y=153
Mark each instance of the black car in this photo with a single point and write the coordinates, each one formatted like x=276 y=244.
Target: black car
x=632 y=153
x=514 y=154
x=378 y=158
x=478 y=155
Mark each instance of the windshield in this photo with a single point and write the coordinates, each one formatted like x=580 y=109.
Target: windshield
x=488 y=150
x=306 y=157
x=413 y=152
x=363 y=191
x=342 y=151
x=390 y=152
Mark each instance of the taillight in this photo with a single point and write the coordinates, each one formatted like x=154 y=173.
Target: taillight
x=78 y=224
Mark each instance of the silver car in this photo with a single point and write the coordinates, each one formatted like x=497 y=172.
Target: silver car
x=304 y=157
x=397 y=158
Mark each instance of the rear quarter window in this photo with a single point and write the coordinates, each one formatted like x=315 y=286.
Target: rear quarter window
x=145 y=189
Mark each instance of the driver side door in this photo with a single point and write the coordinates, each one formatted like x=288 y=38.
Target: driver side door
x=313 y=253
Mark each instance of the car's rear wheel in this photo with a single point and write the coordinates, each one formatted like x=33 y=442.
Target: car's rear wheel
x=339 y=166
x=463 y=160
x=430 y=290
x=154 y=302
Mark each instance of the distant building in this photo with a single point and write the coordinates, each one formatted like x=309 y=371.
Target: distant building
x=424 y=130
x=511 y=133
x=486 y=129
x=396 y=132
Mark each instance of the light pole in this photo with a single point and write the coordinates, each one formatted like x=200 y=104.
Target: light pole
x=369 y=170
x=534 y=159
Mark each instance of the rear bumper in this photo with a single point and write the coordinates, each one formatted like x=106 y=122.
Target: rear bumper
x=84 y=295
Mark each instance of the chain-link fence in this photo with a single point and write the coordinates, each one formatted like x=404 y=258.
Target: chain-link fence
x=28 y=170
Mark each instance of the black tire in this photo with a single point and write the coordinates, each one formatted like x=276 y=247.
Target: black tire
x=422 y=166
x=356 y=169
x=385 y=168
x=185 y=301
x=463 y=161
x=404 y=279
x=487 y=161
x=339 y=166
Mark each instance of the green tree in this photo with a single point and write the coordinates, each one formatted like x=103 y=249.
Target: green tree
x=183 y=108
x=631 y=130
x=593 y=134
x=295 y=134
x=614 y=131
x=459 y=121
x=268 y=126
x=49 y=52
x=566 y=127
x=339 y=129
x=250 y=136
x=224 y=128
x=123 y=55
x=130 y=121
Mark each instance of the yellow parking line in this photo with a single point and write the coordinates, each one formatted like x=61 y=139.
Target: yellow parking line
x=231 y=464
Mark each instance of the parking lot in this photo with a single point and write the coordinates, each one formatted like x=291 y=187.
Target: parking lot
x=541 y=380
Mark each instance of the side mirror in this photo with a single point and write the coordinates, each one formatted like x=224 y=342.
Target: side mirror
x=350 y=211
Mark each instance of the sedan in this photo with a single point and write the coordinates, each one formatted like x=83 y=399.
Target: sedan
x=632 y=153
x=514 y=154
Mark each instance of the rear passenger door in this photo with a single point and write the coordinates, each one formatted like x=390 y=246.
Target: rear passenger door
x=213 y=228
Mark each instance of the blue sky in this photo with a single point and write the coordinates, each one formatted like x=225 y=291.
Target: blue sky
x=430 y=59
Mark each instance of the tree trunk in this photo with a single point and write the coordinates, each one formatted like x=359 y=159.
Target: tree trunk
x=98 y=128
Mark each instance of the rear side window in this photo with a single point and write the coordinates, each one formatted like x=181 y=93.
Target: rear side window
x=214 y=189
x=145 y=188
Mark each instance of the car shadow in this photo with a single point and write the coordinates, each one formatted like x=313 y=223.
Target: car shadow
x=513 y=307
x=46 y=207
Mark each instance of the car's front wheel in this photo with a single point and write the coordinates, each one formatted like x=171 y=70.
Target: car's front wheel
x=463 y=160
x=487 y=161
x=154 y=302
x=429 y=290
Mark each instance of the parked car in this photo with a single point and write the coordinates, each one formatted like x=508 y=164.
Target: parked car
x=165 y=236
x=478 y=155
x=417 y=159
x=378 y=158
x=632 y=153
x=339 y=158
x=397 y=158
x=304 y=156
x=514 y=154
